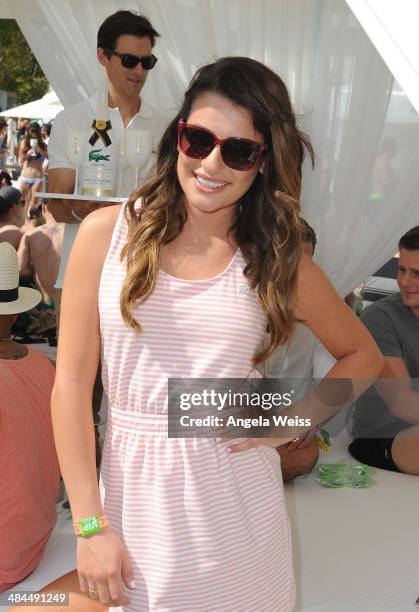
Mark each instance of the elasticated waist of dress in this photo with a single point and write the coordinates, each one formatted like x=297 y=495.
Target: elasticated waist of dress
x=138 y=421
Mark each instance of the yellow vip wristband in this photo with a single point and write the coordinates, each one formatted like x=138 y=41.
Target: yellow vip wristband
x=92 y=524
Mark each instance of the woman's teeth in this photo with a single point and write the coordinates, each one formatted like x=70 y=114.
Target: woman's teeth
x=208 y=183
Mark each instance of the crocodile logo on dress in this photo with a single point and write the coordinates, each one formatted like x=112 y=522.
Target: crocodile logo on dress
x=243 y=288
x=96 y=155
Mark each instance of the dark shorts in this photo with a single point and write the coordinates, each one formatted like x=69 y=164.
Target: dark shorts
x=375 y=452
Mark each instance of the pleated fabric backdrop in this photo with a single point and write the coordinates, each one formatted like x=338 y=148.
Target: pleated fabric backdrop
x=362 y=194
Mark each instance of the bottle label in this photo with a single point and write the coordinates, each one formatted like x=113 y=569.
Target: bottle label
x=96 y=155
x=99 y=173
x=98 y=177
x=97 y=182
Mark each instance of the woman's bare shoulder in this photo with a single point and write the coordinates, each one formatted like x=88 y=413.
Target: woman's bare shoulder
x=95 y=233
x=309 y=273
x=101 y=222
x=313 y=288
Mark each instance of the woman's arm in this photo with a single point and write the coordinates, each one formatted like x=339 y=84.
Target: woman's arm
x=358 y=360
x=336 y=326
x=22 y=153
x=101 y=556
x=77 y=364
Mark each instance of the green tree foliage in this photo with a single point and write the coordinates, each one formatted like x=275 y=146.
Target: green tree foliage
x=19 y=70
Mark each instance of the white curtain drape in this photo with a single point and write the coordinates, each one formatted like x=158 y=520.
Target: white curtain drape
x=362 y=195
x=393 y=30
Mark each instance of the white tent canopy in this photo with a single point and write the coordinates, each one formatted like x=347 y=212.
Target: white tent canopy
x=46 y=107
x=363 y=193
x=392 y=28
x=6 y=11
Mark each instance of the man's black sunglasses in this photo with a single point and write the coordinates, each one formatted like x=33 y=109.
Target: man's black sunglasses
x=130 y=61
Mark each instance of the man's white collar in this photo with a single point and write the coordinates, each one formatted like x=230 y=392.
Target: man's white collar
x=145 y=111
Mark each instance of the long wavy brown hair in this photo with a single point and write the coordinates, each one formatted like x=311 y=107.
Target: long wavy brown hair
x=267 y=226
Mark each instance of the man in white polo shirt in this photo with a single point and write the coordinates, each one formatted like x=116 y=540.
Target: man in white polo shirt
x=124 y=48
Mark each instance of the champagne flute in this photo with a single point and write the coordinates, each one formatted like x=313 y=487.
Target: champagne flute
x=74 y=150
x=138 y=150
x=33 y=143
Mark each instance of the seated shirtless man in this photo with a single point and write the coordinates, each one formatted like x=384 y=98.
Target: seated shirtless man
x=39 y=255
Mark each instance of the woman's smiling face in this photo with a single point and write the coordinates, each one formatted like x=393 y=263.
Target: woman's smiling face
x=209 y=184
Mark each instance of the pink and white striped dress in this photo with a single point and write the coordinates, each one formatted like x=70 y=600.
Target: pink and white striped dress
x=206 y=530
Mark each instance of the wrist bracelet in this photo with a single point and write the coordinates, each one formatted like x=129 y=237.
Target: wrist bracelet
x=75 y=215
x=92 y=524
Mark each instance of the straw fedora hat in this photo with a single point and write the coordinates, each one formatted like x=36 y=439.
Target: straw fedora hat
x=13 y=299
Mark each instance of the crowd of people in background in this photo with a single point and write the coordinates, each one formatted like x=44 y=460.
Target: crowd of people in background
x=27 y=225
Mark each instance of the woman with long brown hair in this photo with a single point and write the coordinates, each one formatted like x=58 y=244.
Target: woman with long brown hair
x=183 y=282
x=32 y=155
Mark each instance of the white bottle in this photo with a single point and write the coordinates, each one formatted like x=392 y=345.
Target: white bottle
x=99 y=171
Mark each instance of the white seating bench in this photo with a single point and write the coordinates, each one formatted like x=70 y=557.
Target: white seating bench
x=355 y=550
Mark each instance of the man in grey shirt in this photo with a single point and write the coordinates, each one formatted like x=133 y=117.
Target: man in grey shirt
x=386 y=419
